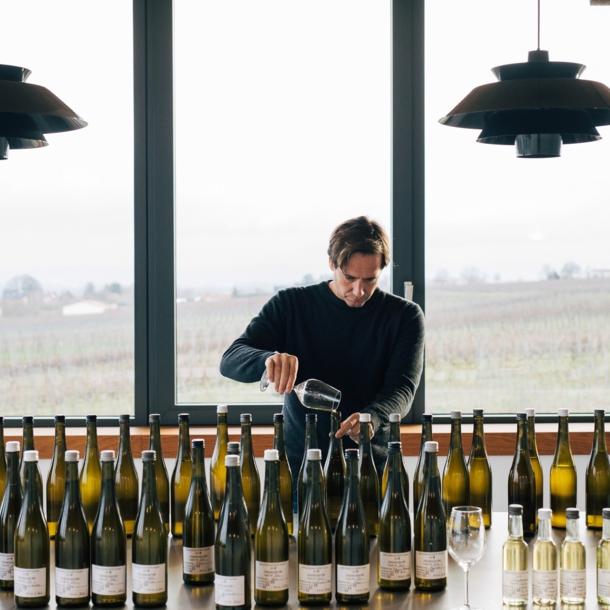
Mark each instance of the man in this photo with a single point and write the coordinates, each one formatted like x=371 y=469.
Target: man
x=348 y=333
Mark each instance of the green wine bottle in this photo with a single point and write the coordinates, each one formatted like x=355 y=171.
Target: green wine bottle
x=479 y=470
x=56 y=479
x=311 y=442
x=598 y=475
x=162 y=480
x=9 y=512
x=395 y=438
x=108 y=543
x=218 y=472
x=250 y=479
x=521 y=481
x=369 y=481
x=314 y=543
x=563 y=474
x=456 y=482
x=533 y=447
x=198 y=533
x=285 y=473
x=72 y=552
x=271 y=540
x=352 y=546
x=3 y=473
x=334 y=472
x=91 y=473
x=32 y=545
x=418 y=475
x=28 y=445
x=430 y=535
x=394 y=542
x=181 y=476
x=126 y=477
x=149 y=542
x=233 y=546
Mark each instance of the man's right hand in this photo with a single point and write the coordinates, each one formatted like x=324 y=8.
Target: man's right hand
x=282 y=371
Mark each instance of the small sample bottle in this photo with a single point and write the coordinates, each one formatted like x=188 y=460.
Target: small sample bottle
x=572 y=562
x=544 y=562
x=603 y=561
x=515 y=575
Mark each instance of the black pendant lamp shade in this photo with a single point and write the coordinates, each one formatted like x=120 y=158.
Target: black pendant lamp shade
x=535 y=105
x=28 y=111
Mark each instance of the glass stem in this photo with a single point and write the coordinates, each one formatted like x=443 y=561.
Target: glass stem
x=466 y=603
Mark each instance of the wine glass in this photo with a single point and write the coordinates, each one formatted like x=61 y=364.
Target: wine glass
x=312 y=393
x=466 y=540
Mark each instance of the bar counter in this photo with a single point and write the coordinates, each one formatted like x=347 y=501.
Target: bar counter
x=485 y=579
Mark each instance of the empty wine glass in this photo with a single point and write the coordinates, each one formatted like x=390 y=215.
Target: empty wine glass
x=466 y=540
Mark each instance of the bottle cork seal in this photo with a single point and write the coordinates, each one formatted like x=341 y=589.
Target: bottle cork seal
x=394 y=417
x=456 y=415
x=311 y=417
x=426 y=417
x=72 y=455
x=606 y=513
x=515 y=509
x=198 y=443
x=222 y=409
x=232 y=460
x=245 y=418
x=124 y=417
x=183 y=417
x=272 y=455
x=12 y=447
x=530 y=412
x=91 y=418
x=431 y=447
x=352 y=454
x=233 y=447
x=365 y=418
x=572 y=513
x=107 y=455
x=562 y=412
x=30 y=456
x=60 y=419
x=545 y=513
x=394 y=446
x=154 y=417
x=521 y=416
x=313 y=454
x=477 y=411
x=149 y=455
x=278 y=417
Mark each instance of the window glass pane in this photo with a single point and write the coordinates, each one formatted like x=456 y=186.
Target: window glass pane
x=282 y=132
x=517 y=259
x=66 y=230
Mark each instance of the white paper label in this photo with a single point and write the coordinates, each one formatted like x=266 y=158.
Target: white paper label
x=230 y=590
x=315 y=580
x=271 y=576
x=7 y=563
x=544 y=584
x=148 y=579
x=431 y=566
x=603 y=583
x=573 y=583
x=515 y=584
x=198 y=560
x=71 y=584
x=395 y=566
x=353 y=580
x=108 y=580
x=30 y=583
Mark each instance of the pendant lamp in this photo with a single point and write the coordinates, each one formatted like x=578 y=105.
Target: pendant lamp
x=536 y=106
x=28 y=111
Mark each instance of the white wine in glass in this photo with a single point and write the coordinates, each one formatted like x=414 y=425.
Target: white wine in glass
x=313 y=393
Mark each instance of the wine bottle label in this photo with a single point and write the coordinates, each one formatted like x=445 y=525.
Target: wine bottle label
x=198 y=560
x=544 y=584
x=573 y=583
x=603 y=583
x=431 y=566
x=7 y=563
x=229 y=590
x=72 y=584
x=148 y=579
x=108 y=580
x=315 y=580
x=271 y=576
x=353 y=580
x=30 y=582
x=395 y=566
x=515 y=584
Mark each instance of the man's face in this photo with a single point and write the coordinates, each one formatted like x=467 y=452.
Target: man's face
x=356 y=282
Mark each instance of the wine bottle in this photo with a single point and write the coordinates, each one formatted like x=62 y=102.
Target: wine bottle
x=430 y=535
x=603 y=561
x=109 y=542
x=534 y=458
x=597 y=482
x=395 y=438
x=285 y=474
x=271 y=540
x=3 y=467
x=72 y=551
x=334 y=472
x=9 y=512
x=162 y=480
x=149 y=542
x=572 y=563
x=456 y=482
x=544 y=563
x=352 y=546
x=181 y=476
x=521 y=482
x=311 y=442
x=369 y=481
x=479 y=470
x=394 y=543
x=418 y=475
x=250 y=479
x=515 y=575
x=314 y=544
x=56 y=479
x=563 y=474
x=91 y=473
x=126 y=477
x=32 y=545
x=198 y=533
x=28 y=445
x=233 y=547
x=218 y=472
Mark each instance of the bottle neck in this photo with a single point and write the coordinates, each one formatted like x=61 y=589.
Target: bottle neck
x=222 y=428
x=72 y=494
x=478 y=436
x=572 y=533
x=544 y=529
x=60 y=438
x=12 y=464
x=198 y=471
x=246 y=440
x=336 y=444
x=149 y=483
x=456 y=436
x=108 y=481
x=431 y=475
x=313 y=494
x=124 y=438
x=278 y=439
x=522 y=443
x=531 y=436
x=394 y=472
x=395 y=431
x=599 y=437
x=353 y=480
x=365 y=439
x=271 y=480
x=28 y=437
x=311 y=437
x=606 y=529
x=155 y=440
x=31 y=486
x=91 y=435
x=515 y=526
x=234 y=490
x=184 y=450
x=562 y=435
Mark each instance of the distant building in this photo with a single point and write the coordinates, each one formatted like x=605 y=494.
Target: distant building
x=605 y=273
x=86 y=308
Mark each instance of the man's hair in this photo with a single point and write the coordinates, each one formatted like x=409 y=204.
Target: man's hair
x=358 y=235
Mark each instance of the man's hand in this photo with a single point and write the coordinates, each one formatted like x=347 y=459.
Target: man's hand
x=282 y=371
x=351 y=427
